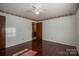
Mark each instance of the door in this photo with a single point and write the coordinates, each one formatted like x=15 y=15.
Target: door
x=2 y=32
x=39 y=31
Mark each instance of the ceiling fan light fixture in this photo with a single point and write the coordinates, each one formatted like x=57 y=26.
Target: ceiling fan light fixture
x=37 y=12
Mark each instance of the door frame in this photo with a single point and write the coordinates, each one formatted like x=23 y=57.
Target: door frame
x=38 y=30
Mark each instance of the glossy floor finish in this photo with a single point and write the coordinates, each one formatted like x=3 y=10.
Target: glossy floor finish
x=43 y=48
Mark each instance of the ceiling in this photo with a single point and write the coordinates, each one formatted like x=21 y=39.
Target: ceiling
x=48 y=10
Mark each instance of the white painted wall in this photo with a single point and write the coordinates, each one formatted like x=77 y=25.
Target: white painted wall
x=23 y=30
x=60 y=30
x=77 y=17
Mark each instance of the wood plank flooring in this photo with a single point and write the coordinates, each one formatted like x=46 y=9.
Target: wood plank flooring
x=43 y=48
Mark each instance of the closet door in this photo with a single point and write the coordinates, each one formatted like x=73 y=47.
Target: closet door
x=2 y=32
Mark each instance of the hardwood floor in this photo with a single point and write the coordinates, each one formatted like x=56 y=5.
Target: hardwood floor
x=43 y=48
x=47 y=48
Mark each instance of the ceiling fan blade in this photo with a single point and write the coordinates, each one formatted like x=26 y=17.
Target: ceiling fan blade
x=34 y=7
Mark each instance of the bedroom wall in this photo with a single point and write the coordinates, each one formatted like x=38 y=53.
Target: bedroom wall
x=61 y=30
x=18 y=30
x=77 y=17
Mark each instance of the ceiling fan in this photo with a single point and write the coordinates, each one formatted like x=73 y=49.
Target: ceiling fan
x=36 y=9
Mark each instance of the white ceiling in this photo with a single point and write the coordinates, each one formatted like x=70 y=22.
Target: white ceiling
x=49 y=10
